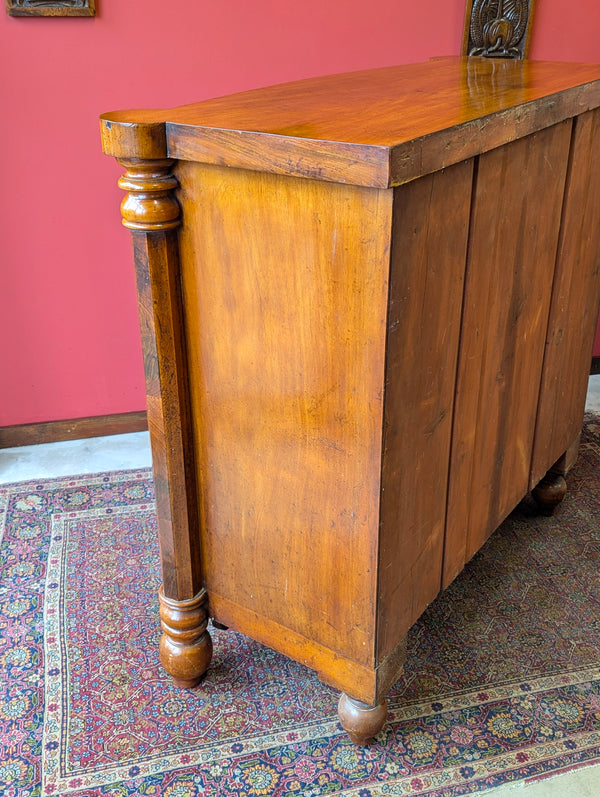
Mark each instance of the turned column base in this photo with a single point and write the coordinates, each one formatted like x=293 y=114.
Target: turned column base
x=549 y=493
x=185 y=645
x=361 y=721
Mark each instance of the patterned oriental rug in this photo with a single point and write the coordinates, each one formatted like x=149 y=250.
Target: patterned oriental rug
x=502 y=681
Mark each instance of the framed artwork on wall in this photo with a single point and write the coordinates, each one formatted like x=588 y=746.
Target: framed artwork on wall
x=497 y=28
x=51 y=8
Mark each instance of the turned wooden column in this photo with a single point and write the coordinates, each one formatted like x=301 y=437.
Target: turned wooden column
x=150 y=210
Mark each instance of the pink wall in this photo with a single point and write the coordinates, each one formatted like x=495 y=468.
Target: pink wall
x=68 y=320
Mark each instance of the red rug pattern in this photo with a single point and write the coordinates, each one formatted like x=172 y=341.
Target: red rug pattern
x=502 y=680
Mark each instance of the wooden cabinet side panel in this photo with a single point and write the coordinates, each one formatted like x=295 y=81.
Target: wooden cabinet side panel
x=285 y=294
x=512 y=252
x=431 y=223
x=574 y=309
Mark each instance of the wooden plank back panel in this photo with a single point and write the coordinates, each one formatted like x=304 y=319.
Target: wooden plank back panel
x=512 y=252
x=431 y=223
x=574 y=313
x=285 y=295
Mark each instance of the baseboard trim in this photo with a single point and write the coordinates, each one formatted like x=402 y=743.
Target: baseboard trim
x=77 y=429
x=97 y=426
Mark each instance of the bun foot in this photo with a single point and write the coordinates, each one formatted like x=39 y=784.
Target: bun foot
x=549 y=493
x=361 y=721
x=185 y=646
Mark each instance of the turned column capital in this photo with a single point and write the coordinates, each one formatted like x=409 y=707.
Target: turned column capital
x=150 y=203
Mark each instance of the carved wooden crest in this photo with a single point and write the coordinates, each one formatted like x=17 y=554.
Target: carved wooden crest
x=497 y=28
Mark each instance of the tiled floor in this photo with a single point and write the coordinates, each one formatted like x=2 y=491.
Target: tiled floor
x=122 y=452
x=584 y=782
x=593 y=399
x=93 y=455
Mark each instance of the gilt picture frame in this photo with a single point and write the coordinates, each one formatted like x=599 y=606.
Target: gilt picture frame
x=51 y=8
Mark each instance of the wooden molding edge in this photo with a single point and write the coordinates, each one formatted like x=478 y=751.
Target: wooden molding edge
x=76 y=429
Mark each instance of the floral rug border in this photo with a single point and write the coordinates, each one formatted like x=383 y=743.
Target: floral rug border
x=525 y=762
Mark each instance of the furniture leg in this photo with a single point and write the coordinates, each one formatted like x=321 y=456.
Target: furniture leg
x=185 y=646
x=360 y=720
x=550 y=491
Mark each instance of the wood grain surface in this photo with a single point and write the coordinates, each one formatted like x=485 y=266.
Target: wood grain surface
x=285 y=294
x=573 y=314
x=431 y=217
x=379 y=127
x=510 y=271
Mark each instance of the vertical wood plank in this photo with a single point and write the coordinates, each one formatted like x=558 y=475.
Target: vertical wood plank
x=574 y=309
x=512 y=252
x=431 y=222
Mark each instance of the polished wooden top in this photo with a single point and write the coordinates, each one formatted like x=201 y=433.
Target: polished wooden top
x=376 y=127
